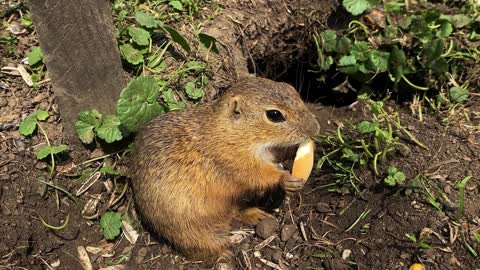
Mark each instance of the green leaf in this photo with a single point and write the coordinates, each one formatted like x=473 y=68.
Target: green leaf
x=399 y=177
x=377 y=61
x=348 y=64
x=40 y=115
x=132 y=55
x=109 y=170
x=28 y=125
x=329 y=40
x=433 y=56
x=169 y=96
x=195 y=66
x=178 y=38
x=86 y=123
x=361 y=50
x=193 y=92
x=458 y=94
x=47 y=150
x=325 y=62
x=26 y=20
x=111 y=222
x=397 y=63
x=393 y=6
x=176 y=5
x=377 y=106
x=138 y=103
x=344 y=45
x=145 y=19
x=139 y=35
x=35 y=57
x=208 y=42
x=477 y=236
x=110 y=129
x=394 y=177
x=460 y=20
x=347 y=60
x=35 y=77
x=390 y=181
x=176 y=106
x=350 y=155
x=366 y=127
x=392 y=170
x=445 y=30
x=357 y=7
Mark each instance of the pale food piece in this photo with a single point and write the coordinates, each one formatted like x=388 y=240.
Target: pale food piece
x=303 y=163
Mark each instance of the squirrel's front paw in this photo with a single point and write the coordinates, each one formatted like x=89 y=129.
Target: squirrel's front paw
x=292 y=184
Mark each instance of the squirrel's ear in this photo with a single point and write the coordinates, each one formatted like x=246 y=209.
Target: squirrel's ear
x=234 y=107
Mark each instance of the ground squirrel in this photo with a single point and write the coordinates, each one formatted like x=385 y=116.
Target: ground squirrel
x=192 y=169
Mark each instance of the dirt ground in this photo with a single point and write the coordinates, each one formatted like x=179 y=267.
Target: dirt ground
x=310 y=229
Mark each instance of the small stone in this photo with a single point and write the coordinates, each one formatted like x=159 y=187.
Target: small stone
x=12 y=103
x=97 y=153
x=346 y=253
x=43 y=106
x=245 y=246
x=267 y=253
x=404 y=151
x=323 y=207
x=404 y=256
x=3 y=102
x=224 y=266
x=267 y=227
x=39 y=98
x=277 y=257
x=453 y=261
x=287 y=232
x=40 y=165
x=141 y=255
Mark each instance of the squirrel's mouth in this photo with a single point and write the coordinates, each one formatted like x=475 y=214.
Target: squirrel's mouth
x=284 y=154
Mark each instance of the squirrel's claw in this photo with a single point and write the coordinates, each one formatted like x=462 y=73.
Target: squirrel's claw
x=292 y=184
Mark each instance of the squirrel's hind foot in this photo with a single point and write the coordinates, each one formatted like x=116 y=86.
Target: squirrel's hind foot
x=253 y=215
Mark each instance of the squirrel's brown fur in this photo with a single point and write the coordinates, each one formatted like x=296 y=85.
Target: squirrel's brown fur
x=191 y=167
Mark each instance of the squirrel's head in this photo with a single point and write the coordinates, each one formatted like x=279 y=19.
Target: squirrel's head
x=271 y=113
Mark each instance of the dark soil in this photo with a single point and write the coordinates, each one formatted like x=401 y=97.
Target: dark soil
x=310 y=228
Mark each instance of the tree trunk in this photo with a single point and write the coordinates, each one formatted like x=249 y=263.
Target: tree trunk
x=80 y=51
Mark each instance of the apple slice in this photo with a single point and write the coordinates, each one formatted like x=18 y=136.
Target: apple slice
x=303 y=163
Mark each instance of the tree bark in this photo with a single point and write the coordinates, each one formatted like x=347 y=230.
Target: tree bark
x=80 y=51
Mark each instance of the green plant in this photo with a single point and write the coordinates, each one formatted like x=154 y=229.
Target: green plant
x=144 y=40
x=476 y=235
x=111 y=223
x=143 y=99
x=28 y=126
x=368 y=142
x=8 y=42
x=106 y=128
x=418 y=242
x=394 y=177
x=35 y=60
x=362 y=216
x=60 y=227
x=357 y=7
x=419 y=50
x=461 y=198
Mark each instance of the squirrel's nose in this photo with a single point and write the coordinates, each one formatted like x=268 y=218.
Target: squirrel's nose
x=314 y=127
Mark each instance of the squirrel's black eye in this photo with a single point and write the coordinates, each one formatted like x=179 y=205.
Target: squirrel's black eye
x=275 y=116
